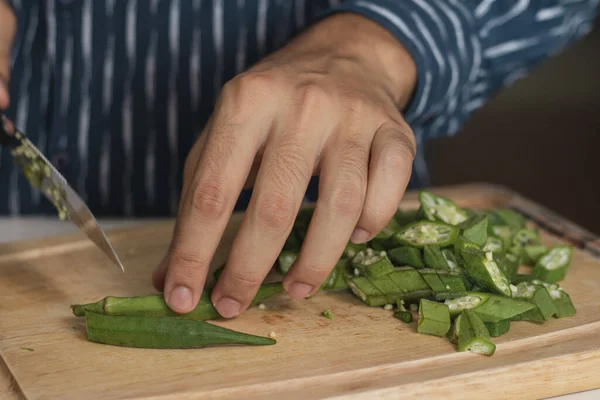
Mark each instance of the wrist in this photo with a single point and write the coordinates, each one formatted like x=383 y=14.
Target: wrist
x=356 y=37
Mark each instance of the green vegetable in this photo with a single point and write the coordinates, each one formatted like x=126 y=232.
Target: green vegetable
x=337 y=278
x=155 y=305
x=532 y=253
x=552 y=267
x=405 y=217
x=422 y=233
x=499 y=328
x=434 y=318
x=504 y=232
x=368 y=293
x=286 y=260
x=471 y=334
x=438 y=208
x=373 y=264
x=163 y=332
x=353 y=249
x=510 y=218
x=405 y=255
x=494 y=244
x=523 y=238
x=484 y=271
x=537 y=295
x=434 y=258
x=27 y=348
x=489 y=307
x=410 y=283
x=327 y=314
x=562 y=301
x=508 y=264
x=475 y=229
x=403 y=314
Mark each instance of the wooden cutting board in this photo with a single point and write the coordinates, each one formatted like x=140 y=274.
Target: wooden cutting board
x=362 y=353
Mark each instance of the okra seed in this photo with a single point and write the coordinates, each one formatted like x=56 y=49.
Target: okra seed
x=388 y=307
x=261 y=306
x=272 y=335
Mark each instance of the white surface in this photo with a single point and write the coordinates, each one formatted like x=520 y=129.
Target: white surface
x=15 y=229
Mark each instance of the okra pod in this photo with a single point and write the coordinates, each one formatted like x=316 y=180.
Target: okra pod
x=163 y=332
x=434 y=258
x=532 y=253
x=387 y=286
x=373 y=264
x=494 y=244
x=508 y=264
x=285 y=261
x=504 y=232
x=499 y=328
x=537 y=295
x=510 y=218
x=552 y=266
x=422 y=233
x=562 y=301
x=339 y=274
x=484 y=271
x=155 y=305
x=353 y=249
x=405 y=217
x=405 y=255
x=475 y=229
x=438 y=208
x=523 y=237
x=410 y=283
x=434 y=318
x=489 y=307
x=472 y=335
x=403 y=314
x=368 y=293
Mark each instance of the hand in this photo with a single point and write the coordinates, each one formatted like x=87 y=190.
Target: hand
x=7 y=32
x=327 y=103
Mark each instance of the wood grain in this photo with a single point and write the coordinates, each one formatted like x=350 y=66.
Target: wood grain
x=362 y=353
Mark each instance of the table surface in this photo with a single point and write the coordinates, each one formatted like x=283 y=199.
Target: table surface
x=28 y=228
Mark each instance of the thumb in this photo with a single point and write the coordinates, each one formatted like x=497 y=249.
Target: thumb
x=8 y=27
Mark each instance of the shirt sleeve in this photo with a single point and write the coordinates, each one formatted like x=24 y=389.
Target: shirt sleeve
x=467 y=50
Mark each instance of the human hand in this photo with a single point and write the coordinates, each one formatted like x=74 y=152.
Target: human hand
x=8 y=26
x=327 y=103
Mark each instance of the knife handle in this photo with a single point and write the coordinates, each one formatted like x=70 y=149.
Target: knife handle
x=8 y=133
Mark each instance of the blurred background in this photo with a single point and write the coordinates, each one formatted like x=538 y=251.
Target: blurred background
x=540 y=137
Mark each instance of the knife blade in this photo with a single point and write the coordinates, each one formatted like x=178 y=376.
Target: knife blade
x=42 y=175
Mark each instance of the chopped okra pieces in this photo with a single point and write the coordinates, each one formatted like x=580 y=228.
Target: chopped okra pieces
x=422 y=233
x=537 y=295
x=405 y=255
x=499 y=328
x=372 y=263
x=364 y=289
x=403 y=314
x=378 y=243
x=339 y=274
x=489 y=307
x=434 y=318
x=285 y=261
x=405 y=217
x=562 y=301
x=475 y=229
x=523 y=237
x=510 y=218
x=387 y=286
x=450 y=258
x=327 y=314
x=453 y=283
x=472 y=335
x=353 y=249
x=508 y=264
x=433 y=258
x=411 y=285
x=484 y=271
x=433 y=280
x=437 y=208
x=532 y=253
x=494 y=244
x=504 y=232
x=552 y=266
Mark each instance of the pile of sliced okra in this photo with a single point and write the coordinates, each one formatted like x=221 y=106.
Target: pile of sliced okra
x=456 y=268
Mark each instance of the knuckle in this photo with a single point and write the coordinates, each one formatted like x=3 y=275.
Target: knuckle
x=313 y=272
x=312 y=96
x=347 y=198
x=396 y=157
x=209 y=200
x=354 y=104
x=245 y=279
x=247 y=91
x=290 y=166
x=186 y=265
x=276 y=211
x=375 y=217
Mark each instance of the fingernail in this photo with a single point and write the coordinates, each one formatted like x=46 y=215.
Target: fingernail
x=228 y=307
x=359 y=236
x=180 y=299
x=298 y=290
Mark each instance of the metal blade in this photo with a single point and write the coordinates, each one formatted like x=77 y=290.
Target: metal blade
x=42 y=175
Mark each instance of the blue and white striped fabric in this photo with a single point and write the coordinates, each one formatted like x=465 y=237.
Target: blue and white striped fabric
x=116 y=91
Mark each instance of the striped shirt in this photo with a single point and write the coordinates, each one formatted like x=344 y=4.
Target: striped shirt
x=115 y=92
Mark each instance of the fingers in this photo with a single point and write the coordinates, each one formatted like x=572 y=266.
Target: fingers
x=217 y=181
x=342 y=188
x=392 y=154
x=7 y=32
x=281 y=183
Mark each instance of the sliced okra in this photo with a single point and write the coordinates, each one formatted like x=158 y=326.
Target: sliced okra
x=433 y=280
x=411 y=285
x=438 y=208
x=522 y=238
x=405 y=217
x=508 y=264
x=453 y=283
x=403 y=314
x=339 y=274
x=475 y=229
x=450 y=258
x=499 y=328
x=510 y=218
x=504 y=232
x=406 y=255
x=532 y=253
x=352 y=249
x=387 y=286
x=379 y=242
x=285 y=261
x=489 y=307
x=472 y=335
x=422 y=233
x=434 y=258
x=494 y=244
x=562 y=301
x=484 y=271
x=537 y=295
x=372 y=263
x=552 y=266
x=368 y=293
x=434 y=318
